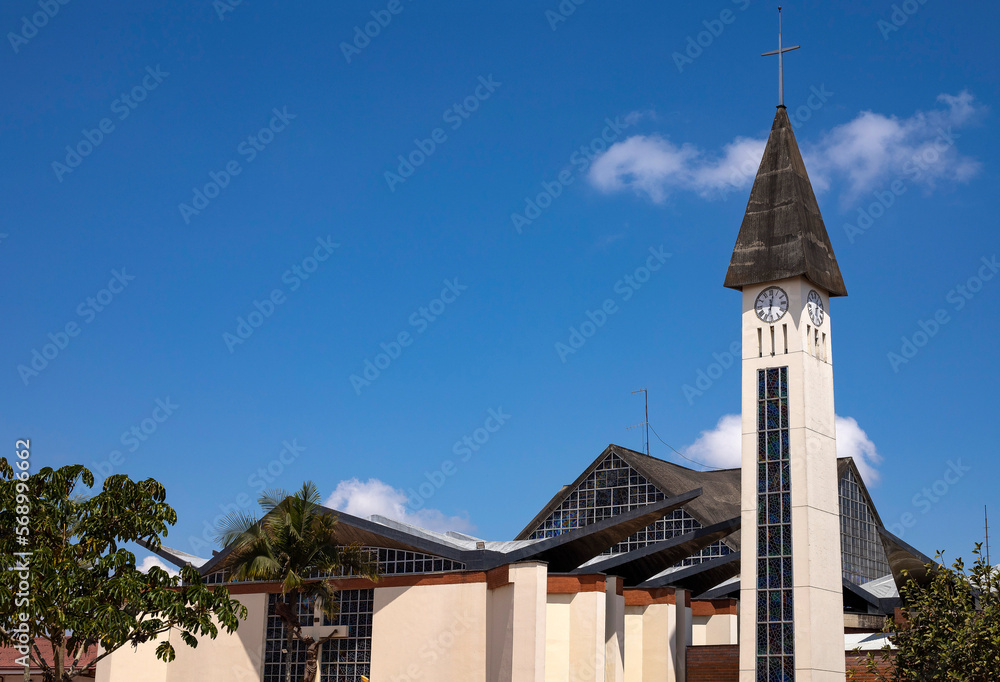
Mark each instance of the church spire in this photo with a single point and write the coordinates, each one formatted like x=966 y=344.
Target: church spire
x=783 y=234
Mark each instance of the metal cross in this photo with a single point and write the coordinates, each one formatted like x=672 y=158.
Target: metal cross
x=781 y=50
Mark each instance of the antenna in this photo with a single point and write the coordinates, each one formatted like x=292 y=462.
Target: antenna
x=987 y=516
x=645 y=396
x=780 y=51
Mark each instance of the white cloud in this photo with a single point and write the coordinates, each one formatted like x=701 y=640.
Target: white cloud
x=852 y=441
x=648 y=165
x=720 y=446
x=365 y=498
x=865 y=154
x=634 y=117
x=151 y=561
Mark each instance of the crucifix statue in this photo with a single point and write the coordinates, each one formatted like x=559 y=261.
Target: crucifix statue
x=779 y=52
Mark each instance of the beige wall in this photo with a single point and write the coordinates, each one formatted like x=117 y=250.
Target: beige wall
x=228 y=658
x=656 y=639
x=614 y=632
x=576 y=639
x=430 y=632
x=515 y=646
x=717 y=629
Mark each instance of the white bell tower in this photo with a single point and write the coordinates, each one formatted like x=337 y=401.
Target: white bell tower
x=791 y=595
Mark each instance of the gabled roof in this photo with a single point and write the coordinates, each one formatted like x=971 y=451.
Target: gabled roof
x=783 y=234
x=721 y=488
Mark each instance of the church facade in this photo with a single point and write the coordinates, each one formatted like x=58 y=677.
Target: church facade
x=640 y=569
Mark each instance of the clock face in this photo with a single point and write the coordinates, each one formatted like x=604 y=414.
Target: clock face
x=771 y=304
x=815 y=306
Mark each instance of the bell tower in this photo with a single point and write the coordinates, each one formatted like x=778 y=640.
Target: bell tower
x=791 y=601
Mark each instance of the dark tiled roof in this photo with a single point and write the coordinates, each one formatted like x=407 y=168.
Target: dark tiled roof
x=719 y=502
x=783 y=234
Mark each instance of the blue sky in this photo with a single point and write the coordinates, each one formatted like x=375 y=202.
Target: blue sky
x=224 y=324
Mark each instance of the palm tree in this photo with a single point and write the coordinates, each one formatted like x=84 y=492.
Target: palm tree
x=292 y=543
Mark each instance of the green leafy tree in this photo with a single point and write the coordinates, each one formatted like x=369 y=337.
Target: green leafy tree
x=950 y=628
x=294 y=541
x=66 y=576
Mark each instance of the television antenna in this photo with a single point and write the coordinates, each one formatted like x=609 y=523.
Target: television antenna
x=645 y=424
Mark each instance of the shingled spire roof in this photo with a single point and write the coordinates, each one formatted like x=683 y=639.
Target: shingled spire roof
x=782 y=234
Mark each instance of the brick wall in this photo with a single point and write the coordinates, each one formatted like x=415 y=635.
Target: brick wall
x=721 y=663
x=716 y=663
x=856 y=663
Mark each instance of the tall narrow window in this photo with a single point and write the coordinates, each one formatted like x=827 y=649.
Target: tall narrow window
x=808 y=336
x=760 y=342
x=784 y=333
x=772 y=339
x=775 y=635
x=824 y=348
x=816 y=342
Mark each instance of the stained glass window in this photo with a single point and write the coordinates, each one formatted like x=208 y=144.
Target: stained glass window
x=775 y=636
x=862 y=554
x=615 y=487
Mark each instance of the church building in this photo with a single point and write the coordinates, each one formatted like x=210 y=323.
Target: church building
x=639 y=570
